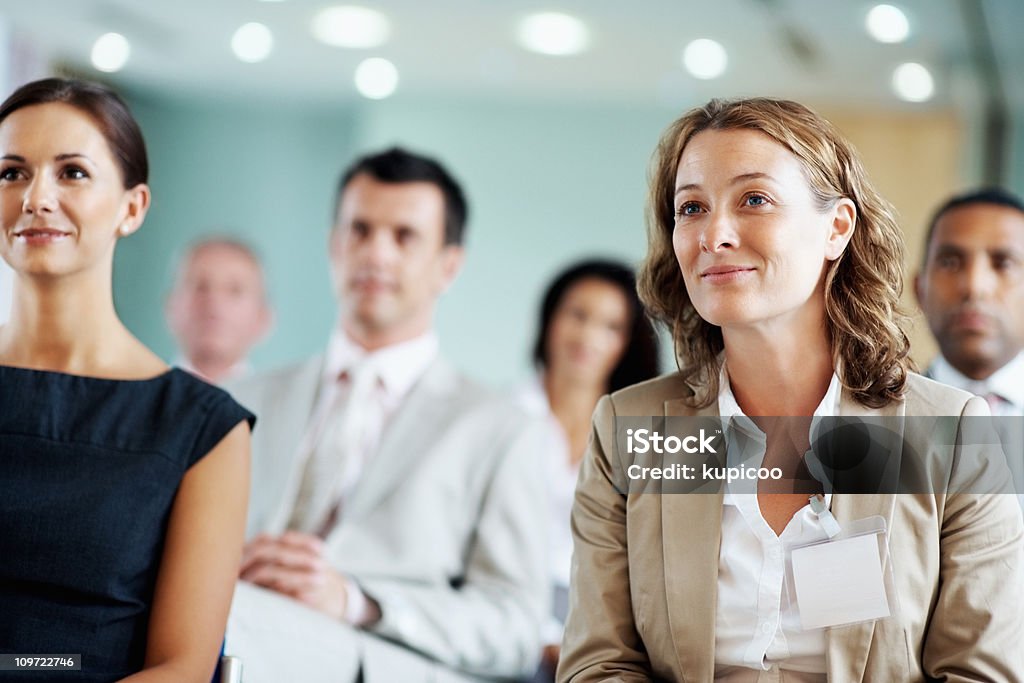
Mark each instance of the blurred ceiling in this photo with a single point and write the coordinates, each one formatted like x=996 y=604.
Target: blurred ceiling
x=813 y=50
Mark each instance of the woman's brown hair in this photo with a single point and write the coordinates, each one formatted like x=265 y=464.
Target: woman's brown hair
x=870 y=349
x=108 y=110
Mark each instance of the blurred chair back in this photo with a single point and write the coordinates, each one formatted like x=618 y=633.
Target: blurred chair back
x=229 y=669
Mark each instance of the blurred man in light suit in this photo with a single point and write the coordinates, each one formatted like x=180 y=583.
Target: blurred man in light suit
x=397 y=507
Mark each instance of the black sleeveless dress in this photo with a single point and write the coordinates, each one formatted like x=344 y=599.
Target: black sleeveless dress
x=89 y=469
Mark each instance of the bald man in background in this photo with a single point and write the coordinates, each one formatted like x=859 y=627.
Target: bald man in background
x=218 y=309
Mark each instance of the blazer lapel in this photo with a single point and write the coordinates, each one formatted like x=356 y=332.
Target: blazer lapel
x=293 y=406
x=414 y=429
x=847 y=646
x=691 y=538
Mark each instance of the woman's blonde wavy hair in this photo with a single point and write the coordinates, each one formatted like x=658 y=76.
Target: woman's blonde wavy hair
x=870 y=349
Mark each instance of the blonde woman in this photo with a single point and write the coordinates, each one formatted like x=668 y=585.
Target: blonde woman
x=777 y=267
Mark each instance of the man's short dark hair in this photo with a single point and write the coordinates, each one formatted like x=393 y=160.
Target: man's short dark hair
x=397 y=165
x=986 y=195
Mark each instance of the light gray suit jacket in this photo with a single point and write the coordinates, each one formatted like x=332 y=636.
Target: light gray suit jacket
x=645 y=568
x=445 y=528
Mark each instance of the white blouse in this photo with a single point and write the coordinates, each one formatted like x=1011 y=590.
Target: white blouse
x=757 y=626
x=560 y=476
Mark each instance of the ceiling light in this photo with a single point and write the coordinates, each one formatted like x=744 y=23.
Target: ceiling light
x=553 y=33
x=376 y=78
x=252 y=42
x=110 y=52
x=887 y=24
x=913 y=82
x=705 y=58
x=350 y=26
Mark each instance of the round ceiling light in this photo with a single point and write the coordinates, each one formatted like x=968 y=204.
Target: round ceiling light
x=887 y=24
x=110 y=52
x=913 y=82
x=705 y=58
x=376 y=78
x=351 y=26
x=252 y=42
x=553 y=33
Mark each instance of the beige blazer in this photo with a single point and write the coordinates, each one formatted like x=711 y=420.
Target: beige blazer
x=444 y=528
x=645 y=568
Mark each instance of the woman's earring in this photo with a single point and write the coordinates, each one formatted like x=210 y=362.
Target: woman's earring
x=124 y=229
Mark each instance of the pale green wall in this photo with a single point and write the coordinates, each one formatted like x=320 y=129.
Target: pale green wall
x=1016 y=172
x=265 y=173
x=546 y=184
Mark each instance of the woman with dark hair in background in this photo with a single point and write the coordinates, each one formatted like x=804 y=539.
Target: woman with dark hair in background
x=123 y=483
x=593 y=338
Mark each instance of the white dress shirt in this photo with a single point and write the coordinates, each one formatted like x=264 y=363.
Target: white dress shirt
x=561 y=476
x=1007 y=383
x=758 y=638
x=397 y=368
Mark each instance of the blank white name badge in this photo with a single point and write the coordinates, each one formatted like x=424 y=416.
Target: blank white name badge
x=843 y=580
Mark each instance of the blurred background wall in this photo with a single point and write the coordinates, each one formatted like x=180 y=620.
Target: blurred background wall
x=552 y=149
x=19 y=63
x=5 y=86
x=546 y=182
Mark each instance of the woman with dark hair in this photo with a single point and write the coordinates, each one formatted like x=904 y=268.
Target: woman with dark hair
x=638 y=360
x=124 y=483
x=593 y=338
x=778 y=268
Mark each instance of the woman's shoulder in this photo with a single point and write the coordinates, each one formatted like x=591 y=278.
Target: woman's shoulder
x=188 y=389
x=190 y=385
x=212 y=411
x=649 y=397
x=173 y=413
x=925 y=396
